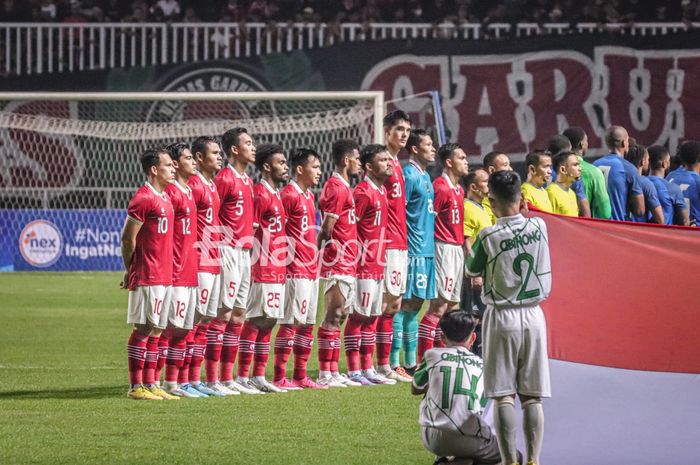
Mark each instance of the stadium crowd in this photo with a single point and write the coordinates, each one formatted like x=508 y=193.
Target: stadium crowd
x=409 y=11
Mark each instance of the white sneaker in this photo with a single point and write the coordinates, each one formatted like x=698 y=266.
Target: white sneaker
x=265 y=386
x=177 y=391
x=343 y=378
x=330 y=381
x=221 y=389
x=239 y=387
x=394 y=375
x=377 y=378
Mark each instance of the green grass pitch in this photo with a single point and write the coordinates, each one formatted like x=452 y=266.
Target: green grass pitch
x=63 y=382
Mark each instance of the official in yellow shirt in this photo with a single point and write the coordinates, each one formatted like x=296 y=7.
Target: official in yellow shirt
x=539 y=165
x=561 y=195
x=476 y=216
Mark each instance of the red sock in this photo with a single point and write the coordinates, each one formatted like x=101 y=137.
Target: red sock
x=325 y=348
x=283 y=349
x=215 y=339
x=438 y=342
x=262 y=351
x=136 y=356
x=426 y=334
x=385 y=333
x=163 y=344
x=176 y=356
x=199 y=344
x=183 y=376
x=336 y=351
x=149 y=368
x=303 y=342
x=351 y=339
x=230 y=350
x=246 y=348
x=369 y=336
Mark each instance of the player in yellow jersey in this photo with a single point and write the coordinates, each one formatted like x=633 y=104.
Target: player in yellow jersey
x=561 y=195
x=493 y=163
x=539 y=164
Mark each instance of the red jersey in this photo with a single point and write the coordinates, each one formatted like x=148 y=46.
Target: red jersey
x=153 y=258
x=184 y=235
x=371 y=208
x=206 y=198
x=270 y=254
x=300 y=211
x=236 y=192
x=340 y=253
x=449 y=211
x=396 y=200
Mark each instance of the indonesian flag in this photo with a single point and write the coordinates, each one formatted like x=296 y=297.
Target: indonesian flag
x=623 y=322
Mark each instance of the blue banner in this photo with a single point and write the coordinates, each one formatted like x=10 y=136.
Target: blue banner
x=61 y=240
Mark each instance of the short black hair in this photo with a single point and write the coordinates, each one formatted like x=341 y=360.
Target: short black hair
x=559 y=159
x=265 y=153
x=558 y=143
x=446 y=151
x=657 y=154
x=505 y=186
x=533 y=158
x=414 y=138
x=470 y=178
x=490 y=158
x=394 y=117
x=457 y=325
x=575 y=134
x=368 y=153
x=301 y=156
x=200 y=144
x=689 y=152
x=342 y=148
x=175 y=150
x=635 y=155
x=231 y=138
x=151 y=157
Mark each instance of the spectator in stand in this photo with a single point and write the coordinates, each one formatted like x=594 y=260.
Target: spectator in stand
x=114 y=11
x=687 y=177
x=639 y=157
x=670 y=195
x=591 y=177
x=621 y=176
x=190 y=16
x=556 y=145
x=91 y=11
x=166 y=10
x=48 y=11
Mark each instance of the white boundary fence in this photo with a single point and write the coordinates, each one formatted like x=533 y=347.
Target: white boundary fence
x=38 y=48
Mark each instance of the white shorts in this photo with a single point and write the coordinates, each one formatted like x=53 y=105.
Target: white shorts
x=301 y=301
x=395 y=272
x=346 y=284
x=515 y=352
x=208 y=294
x=449 y=270
x=369 y=297
x=481 y=445
x=266 y=299
x=149 y=305
x=235 y=277
x=183 y=302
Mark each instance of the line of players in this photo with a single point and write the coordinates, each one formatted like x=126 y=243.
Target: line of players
x=194 y=303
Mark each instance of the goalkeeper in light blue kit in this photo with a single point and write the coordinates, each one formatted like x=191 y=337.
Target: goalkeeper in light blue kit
x=513 y=258
x=420 y=222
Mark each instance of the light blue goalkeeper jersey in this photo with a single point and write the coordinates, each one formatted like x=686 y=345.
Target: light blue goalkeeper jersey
x=420 y=215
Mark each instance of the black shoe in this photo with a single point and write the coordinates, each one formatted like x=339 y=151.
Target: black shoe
x=411 y=371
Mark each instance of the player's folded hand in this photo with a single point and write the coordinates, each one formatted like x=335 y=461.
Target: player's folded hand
x=125 y=281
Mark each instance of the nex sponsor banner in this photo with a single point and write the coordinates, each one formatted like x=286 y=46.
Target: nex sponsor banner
x=515 y=102
x=61 y=240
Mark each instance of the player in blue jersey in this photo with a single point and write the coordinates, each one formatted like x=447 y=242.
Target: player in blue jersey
x=558 y=144
x=420 y=222
x=621 y=177
x=670 y=195
x=639 y=157
x=687 y=177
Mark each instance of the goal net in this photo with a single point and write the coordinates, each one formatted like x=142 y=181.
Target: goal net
x=69 y=162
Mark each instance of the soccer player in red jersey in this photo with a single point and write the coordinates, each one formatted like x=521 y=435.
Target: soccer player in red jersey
x=183 y=298
x=337 y=240
x=397 y=127
x=301 y=289
x=371 y=210
x=207 y=154
x=449 y=243
x=147 y=251
x=266 y=303
x=236 y=216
